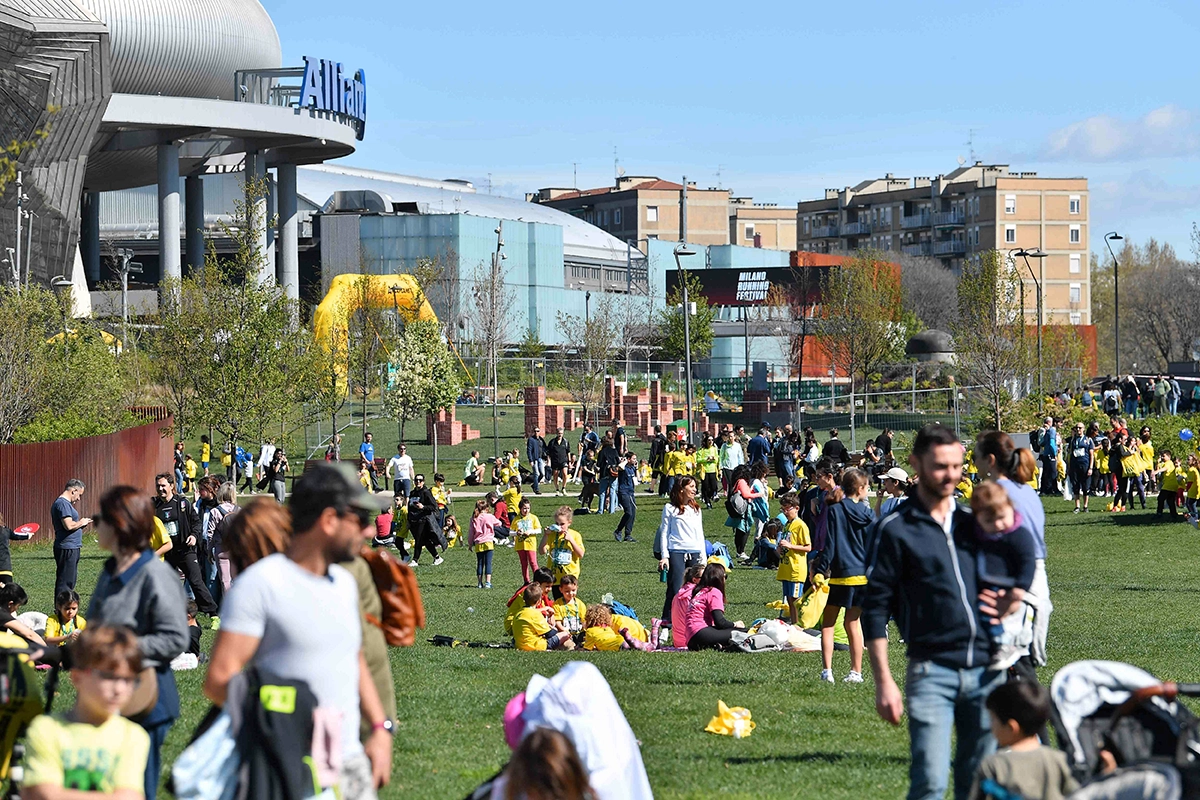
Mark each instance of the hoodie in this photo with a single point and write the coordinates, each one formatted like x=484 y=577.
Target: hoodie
x=847 y=540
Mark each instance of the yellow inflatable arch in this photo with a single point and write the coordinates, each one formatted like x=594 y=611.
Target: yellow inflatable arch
x=347 y=294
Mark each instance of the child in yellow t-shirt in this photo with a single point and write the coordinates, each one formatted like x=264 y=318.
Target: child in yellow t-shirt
x=1168 y=483
x=190 y=470
x=526 y=530
x=569 y=609
x=530 y=629
x=160 y=540
x=1192 y=485
x=563 y=544
x=604 y=630
x=512 y=498
x=92 y=746
x=66 y=623
x=205 y=453
x=516 y=603
x=793 y=546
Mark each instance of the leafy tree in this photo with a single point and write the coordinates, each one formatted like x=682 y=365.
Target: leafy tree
x=426 y=379
x=587 y=350
x=672 y=340
x=989 y=335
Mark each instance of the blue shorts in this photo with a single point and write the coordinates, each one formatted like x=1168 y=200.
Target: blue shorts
x=792 y=589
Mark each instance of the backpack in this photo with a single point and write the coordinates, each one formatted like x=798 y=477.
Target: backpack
x=1035 y=440
x=396 y=583
x=737 y=506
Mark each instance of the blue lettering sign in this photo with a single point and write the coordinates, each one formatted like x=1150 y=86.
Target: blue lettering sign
x=325 y=88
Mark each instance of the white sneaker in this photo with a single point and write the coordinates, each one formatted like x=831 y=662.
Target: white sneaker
x=439 y=560
x=853 y=677
x=827 y=675
x=1005 y=657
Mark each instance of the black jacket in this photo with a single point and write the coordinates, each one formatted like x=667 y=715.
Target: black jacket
x=927 y=581
x=181 y=520
x=847 y=539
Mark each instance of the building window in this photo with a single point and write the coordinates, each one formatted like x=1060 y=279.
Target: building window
x=1010 y=204
x=651 y=213
x=977 y=229
x=1076 y=292
x=1075 y=203
x=652 y=236
x=1074 y=234
x=806 y=225
x=1010 y=234
x=749 y=232
x=616 y=216
x=1076 y=318
x=1075 y=263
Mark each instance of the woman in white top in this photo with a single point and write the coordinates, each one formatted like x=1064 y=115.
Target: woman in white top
x=680 y=538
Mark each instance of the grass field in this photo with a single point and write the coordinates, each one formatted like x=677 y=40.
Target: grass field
x=1124 y=588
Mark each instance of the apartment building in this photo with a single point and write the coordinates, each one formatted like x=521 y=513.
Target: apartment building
x=763 y=225
x=970 y=210
x=635 y=209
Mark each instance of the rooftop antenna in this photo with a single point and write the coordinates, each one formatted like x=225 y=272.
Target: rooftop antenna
x=575 y=175
x=719 y=168
x=489 y=183
x=616 y=165
x=971 y=144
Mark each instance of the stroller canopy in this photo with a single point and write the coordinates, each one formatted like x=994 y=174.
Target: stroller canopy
x=1083 y=687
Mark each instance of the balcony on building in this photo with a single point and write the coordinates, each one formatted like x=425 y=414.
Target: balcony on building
x=952 y=217
x=915 y=221
x=950 y=247
x=825 y=231
x=916 y=249
x=856 y=228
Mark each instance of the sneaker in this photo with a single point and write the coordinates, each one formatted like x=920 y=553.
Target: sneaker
x=1076 y=509
x=1005 y=656
x=617 y=535
x=631 y=539
x=743 y=557
x=487 y=585
x=1195 y=522
x=853 y=677
x=479 y=586
x=438 y=561
x=215 y=624
x=827 y=675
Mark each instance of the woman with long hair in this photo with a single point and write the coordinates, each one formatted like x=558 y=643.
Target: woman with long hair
x=139 y=592
x=999 y=459
x=706 y=462
x=679 y=541
x=705 y=626
x=741 y=484
x=260 y=529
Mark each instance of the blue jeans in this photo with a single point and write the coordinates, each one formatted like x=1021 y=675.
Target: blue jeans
x=178 y=481
x=1131 y=408
x=535 y=475
x=608 y=495
x=939 y=699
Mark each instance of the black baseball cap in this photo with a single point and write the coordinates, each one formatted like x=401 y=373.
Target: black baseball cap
x=333 y=485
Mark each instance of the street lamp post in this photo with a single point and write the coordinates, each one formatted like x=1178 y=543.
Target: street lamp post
x=1109 y=238
x=62 y=287
x=126 y=266
x=1037 y=252
x=684 y=250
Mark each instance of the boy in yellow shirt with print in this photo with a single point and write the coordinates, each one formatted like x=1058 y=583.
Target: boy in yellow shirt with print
x=564 y=546
x=1168 y=482
x=793 y=547
x=512 y=498
x=532 y=632
x=569 y=609
x=526 y=530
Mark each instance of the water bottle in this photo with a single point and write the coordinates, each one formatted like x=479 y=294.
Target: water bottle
x=662 y=575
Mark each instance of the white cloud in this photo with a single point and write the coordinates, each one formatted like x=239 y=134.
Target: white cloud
x=1169 y=131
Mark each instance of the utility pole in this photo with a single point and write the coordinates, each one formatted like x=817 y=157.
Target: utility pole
x=20 y=213
x=127 y=266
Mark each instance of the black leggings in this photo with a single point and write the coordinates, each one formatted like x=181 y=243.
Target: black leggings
x=1169 y=499
x=710 y=638
x=1122 y=495
x=710 y=486
x=740 y=535
x=425 y=538
x=629 y=513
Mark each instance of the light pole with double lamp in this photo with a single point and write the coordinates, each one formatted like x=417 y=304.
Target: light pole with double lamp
x=1109 y=238
x=684 y=250
x=1037 y=252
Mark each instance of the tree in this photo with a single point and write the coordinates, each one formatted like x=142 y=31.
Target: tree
x=671 y=338
x=425 y=379
x=928 y=290
x=491 y=306
x=371 y=335
x=989 y=336
x=861 y=315
x=587 y=350
x=799 y=321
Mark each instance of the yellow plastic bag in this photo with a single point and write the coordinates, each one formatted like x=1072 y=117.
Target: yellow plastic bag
x=733 y=722
x=812 y=604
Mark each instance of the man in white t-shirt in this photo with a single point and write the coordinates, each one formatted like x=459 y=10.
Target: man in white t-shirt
x=297 y=614
x=265 y=456
x=400 y=472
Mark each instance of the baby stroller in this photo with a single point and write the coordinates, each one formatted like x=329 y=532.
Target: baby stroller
x=1153 y=738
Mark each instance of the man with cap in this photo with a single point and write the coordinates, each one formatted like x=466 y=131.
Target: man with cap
x=296 y=613
x=893 y=488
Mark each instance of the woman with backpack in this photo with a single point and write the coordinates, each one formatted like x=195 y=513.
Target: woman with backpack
x=739 y=508
x=679 y=542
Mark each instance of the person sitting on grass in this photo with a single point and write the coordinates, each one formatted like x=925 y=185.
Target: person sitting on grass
x=91 y=750
x=569 y=609
x=1024 y=767
x=452 y=532
x=679 y=605
x=527 y=530
x=482 y=539
x=65 y=624
x=194 y=631
x=793 y=547
x=531 y=631
x=604 y=630
x=542 y=577
x=563 y=544
x=706 y=626
x=12 y=597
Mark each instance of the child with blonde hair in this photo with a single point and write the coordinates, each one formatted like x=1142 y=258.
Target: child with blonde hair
x=604 y=630
x=482 y=539
x=1006 y=561
x=563 y=544
x=532 y=632
x=526 y=529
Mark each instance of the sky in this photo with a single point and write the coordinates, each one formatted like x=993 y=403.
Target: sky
x=778 y=100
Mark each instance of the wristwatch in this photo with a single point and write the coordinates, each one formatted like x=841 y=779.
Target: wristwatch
x=386 y=725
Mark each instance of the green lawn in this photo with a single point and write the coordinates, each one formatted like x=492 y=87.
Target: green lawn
x=1123 y=588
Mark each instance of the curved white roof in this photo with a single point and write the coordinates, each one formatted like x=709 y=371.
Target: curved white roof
x=186 y=48
x=581 y=241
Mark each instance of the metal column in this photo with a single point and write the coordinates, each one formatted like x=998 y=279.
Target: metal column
x=89 y=236
x=168 y=211
x=289 y=231
x=193 y=210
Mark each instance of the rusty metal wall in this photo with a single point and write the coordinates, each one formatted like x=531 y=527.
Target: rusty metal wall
x=33 y=475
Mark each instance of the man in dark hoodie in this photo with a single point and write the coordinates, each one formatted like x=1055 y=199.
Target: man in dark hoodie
x=922 y=572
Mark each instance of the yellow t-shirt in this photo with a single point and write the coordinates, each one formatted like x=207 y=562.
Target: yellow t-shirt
x=1147 y=450
x=636 y=629
x=189 y=468
x=56 y=628
x=91 y=758
x=512 y=499
x=1170 y=480
x=440 y=495
x=600 y=638
x=483 y=547
x=205 y=453
x=571 y=567
x=160 y=537
x=1101 y=460
x=526 y=531
x=529 y=628
x=1193 y=483
x=571 y=614
x=793 y=565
